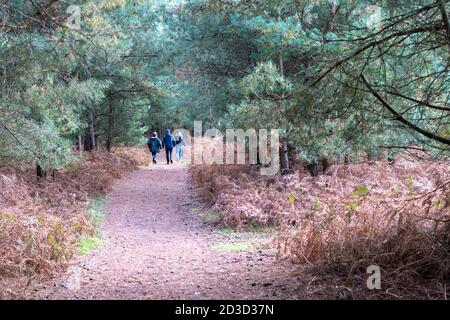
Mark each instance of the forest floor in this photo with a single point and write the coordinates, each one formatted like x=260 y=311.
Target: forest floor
x=156 y=245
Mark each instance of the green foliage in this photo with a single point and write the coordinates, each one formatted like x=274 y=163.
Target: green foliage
x=96 y=210
x=233 y=247
x=51 y=80
x=361 y=191
x=316 y=205
x=86 y=245
x=337 y=77
x=303 y=60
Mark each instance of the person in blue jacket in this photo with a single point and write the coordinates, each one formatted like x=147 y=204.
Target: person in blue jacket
x=168 y=143
x=154 y=144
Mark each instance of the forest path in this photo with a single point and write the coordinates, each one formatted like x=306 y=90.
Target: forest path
x=156 y=247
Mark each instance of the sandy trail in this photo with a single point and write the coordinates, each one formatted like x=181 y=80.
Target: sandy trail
x=154 y=247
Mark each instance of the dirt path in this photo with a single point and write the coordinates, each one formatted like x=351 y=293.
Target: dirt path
x=155 y=247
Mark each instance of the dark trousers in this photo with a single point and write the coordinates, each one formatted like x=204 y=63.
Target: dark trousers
x=154 y=156
x=169 y=154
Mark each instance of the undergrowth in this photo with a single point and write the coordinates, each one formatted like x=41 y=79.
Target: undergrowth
x=338 y=224
x=45 y=222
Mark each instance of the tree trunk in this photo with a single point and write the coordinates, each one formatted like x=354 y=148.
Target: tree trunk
x=89 y=139
x=92 y=130
x=391 y=160
x=325 y=164
x=87 y=143
x=41 y=173
x=347 y=160
x=284 y=148
x=281 y=65
x=110 y=124
x=313 y=168
x=445 y=18
x=79 y=144
x=284 y=157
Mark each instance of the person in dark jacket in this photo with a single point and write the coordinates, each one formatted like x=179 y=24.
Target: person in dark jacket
x=168 y=143
x=154 y=144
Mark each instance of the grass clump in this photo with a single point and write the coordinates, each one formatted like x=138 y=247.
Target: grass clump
x=96 y=210
x=233 y=247
x=361 y=191
x=86 y=244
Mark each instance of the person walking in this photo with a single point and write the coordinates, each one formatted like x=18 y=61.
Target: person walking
x=154 y=144
x=168 y=143
x=179 y=147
